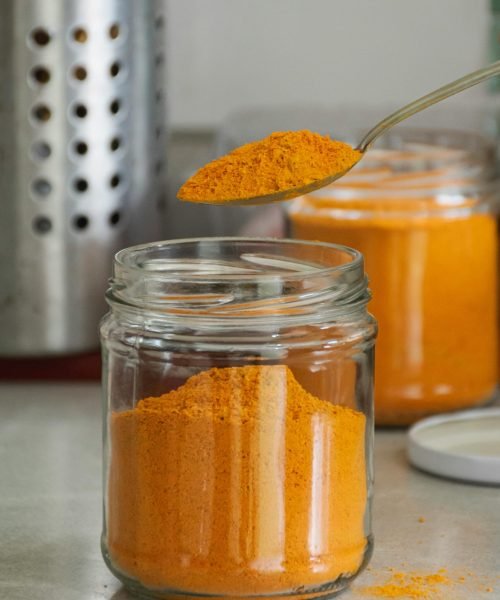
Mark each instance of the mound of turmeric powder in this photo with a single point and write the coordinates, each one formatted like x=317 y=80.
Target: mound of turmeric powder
x=238 y=482
x=281 y=161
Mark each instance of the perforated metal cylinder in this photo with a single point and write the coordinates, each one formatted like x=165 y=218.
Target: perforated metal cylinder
x=81 y=161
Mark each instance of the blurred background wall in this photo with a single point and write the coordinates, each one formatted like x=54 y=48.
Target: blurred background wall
x=225 y=55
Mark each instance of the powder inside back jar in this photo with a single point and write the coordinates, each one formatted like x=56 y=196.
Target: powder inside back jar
x=237 y=482
x=424 y=220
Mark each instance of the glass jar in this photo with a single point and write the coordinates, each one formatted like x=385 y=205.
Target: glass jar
x=421 y=207
x=238 y=434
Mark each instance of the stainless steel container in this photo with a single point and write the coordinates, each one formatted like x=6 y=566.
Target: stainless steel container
x=81 y=161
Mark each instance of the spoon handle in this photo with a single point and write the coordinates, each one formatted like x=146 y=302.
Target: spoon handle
x=428 y=100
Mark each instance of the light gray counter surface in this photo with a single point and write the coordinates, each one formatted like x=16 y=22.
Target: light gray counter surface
x=50 y=507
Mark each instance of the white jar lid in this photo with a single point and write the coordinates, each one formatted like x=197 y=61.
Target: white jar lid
x=463 y=445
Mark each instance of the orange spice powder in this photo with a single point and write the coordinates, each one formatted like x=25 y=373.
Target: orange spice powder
x=442 y=584
x=283 y=160
x=237 y=482
x=434 y=284
x=410 y=586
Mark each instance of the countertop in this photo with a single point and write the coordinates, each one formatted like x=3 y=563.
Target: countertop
x=50 y=508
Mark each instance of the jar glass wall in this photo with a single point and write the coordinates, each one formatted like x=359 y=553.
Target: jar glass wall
x=421 y=207
x=238 y=434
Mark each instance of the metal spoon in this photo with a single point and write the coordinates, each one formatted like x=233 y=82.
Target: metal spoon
x=396 y=117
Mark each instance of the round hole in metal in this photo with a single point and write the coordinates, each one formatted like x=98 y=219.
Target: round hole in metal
x=40 y=36
x=80 y=147
x=81 y=185
x=159 y=60
x=80 y=222
x=115 y=180
x=80 y=73
x=114 y=144
x=80 y=35
x=41 y=187
x=40 y=74
x=41 y=150
x=159 y=22
x=114 y=69
x=114 y=107
x=114 y=31
x=42 y=225
x=80 y=110
x=41 y=113
x=114 y=218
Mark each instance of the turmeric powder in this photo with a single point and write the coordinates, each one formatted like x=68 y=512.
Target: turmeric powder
x=433 y=274
x=279 y=162
x=237 y=482
x=413 y=585
x=410 y=586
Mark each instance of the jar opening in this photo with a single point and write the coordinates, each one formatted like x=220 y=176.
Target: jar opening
x=239 y=278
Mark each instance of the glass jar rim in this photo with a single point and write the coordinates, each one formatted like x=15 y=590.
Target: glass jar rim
x=128 y=258
x=240 y=278
x=438 y=145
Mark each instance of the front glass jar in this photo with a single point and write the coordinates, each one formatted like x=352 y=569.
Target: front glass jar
x=422 y=208
x=238 y=430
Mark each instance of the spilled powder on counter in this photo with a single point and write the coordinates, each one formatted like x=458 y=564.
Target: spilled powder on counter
x=439 y=585
x=409 y=585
